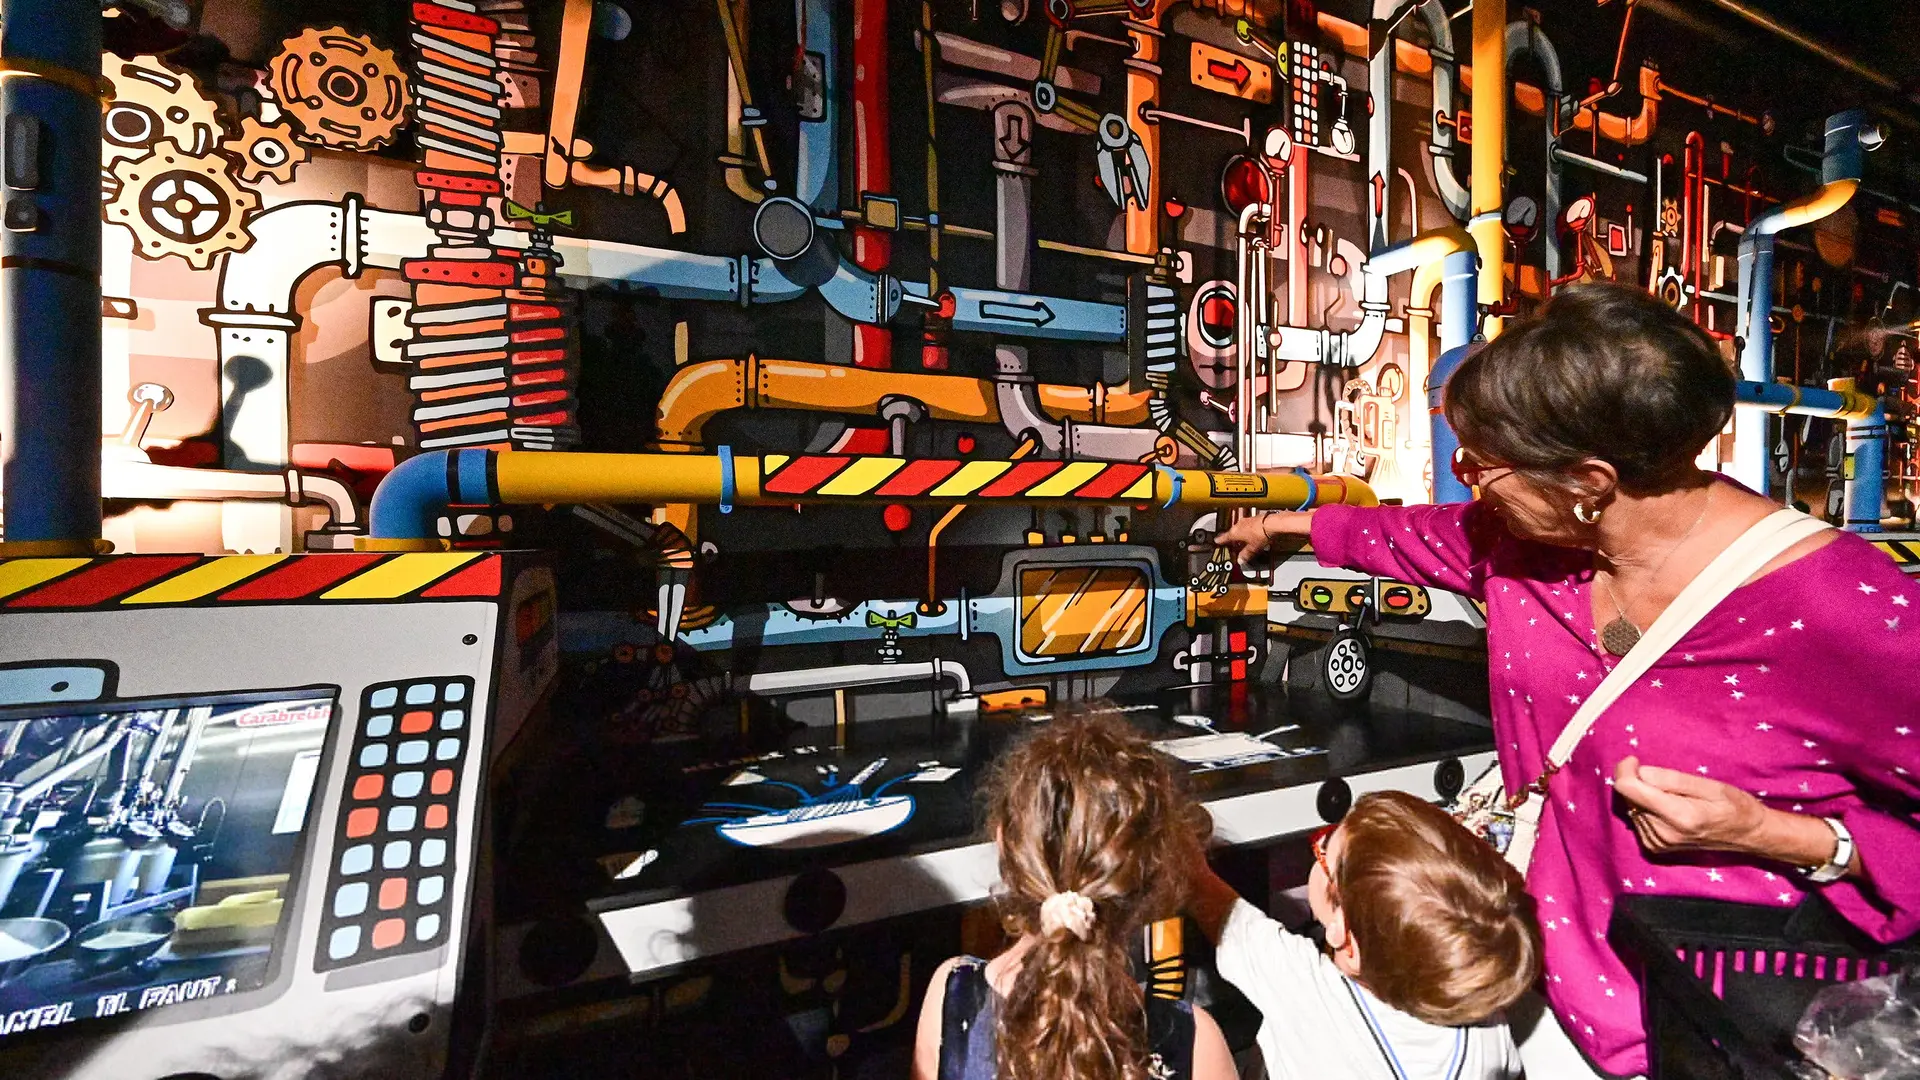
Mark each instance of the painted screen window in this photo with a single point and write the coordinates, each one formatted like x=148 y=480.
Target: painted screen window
x=150 y=851
x=1082 y=610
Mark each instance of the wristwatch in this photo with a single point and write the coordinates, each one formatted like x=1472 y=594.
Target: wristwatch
x=1835 y=868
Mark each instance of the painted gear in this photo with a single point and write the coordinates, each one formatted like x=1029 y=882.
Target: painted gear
x=342 y=91
x=182 y=204
x=266 y=150
x=152 y=101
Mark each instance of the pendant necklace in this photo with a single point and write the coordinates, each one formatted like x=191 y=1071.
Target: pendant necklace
x=1621 y=635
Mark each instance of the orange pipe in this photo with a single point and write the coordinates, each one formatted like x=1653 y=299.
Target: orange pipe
x=1143 y=93
x=704 y=389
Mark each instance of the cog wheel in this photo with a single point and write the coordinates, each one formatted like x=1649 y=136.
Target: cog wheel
x=182 y=204
x=266 y=150
x=342 y=91
x=153 y=101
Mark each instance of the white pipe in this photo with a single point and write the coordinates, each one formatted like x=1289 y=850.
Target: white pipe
x=849 y=676
x=1357 y=346
x=143 y=480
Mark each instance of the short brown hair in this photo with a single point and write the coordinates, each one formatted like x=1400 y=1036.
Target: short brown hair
x=1444 y=924
x=1604 y=371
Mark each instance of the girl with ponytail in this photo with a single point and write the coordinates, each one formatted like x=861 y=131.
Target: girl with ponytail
x=1093 y=835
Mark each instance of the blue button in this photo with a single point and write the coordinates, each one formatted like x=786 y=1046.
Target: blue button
x=383 y=697
x=412 y=752
x=379 y=725
x=433 y=852
x=419 y=693
x=456 y=691
x=407 y=784
x=350 y=900
x=373 y=756
x=431 y=890
x=344 y=943
x=426 y=927
x=452 y=719
x=357 y=859
x=446 y=750
x=401 y=819
x=395 y=855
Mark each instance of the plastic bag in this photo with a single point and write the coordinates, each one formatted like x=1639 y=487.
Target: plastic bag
x=1867 y=1030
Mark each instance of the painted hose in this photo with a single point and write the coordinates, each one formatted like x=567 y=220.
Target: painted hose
x=411 y=499
x=1840 y=169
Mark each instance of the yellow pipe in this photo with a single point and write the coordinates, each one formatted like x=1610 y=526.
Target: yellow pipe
x=701 y=390
x=1489 y=154
x=1812 y=207
x=523 y=478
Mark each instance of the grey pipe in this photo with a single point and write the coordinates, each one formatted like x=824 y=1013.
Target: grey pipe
x=1523 y=36
x=1440 y=145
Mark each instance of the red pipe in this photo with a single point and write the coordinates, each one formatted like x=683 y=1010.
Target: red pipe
x=872 y=163
x=1691 y=229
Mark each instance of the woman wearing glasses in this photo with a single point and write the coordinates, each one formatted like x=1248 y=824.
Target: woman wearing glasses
x=1773 y=750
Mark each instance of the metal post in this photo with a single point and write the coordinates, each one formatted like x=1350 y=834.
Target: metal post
x=50 y=273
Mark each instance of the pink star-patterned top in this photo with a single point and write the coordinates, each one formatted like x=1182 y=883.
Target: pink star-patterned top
x=1796 y=688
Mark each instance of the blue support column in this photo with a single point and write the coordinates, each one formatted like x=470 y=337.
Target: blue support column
x=50 y=271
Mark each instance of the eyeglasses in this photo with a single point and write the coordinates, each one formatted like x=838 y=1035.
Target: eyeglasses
x=1469 y=472
x=1318 y=841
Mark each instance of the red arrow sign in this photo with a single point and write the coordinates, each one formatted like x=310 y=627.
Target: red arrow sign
x=1236 y=73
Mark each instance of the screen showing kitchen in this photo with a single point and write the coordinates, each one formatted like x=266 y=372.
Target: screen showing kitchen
x=148 y=849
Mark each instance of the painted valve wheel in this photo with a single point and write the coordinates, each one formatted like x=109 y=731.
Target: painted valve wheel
x=1348 y=665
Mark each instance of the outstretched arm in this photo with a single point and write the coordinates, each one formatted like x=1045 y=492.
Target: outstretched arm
x=1442 y=547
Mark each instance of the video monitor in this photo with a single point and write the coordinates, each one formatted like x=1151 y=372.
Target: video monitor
x=150 y=850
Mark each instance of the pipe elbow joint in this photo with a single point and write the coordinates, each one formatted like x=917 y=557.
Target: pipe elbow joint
x=407 y=506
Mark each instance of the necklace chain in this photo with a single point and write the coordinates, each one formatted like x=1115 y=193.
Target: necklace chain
x=1662 y=565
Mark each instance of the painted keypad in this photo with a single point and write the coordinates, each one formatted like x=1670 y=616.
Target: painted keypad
x=389 y=891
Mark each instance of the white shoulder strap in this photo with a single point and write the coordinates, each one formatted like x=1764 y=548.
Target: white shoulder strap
x=1765 y=541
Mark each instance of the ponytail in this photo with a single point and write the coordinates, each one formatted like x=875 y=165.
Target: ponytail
x=1091 y=829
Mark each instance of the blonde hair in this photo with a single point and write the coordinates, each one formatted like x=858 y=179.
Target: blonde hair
x=1445 y=927
x=1084 y=805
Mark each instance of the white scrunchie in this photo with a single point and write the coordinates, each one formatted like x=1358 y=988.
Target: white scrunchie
x=1067 y=911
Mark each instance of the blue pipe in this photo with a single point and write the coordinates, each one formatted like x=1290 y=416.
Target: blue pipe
x=409 y=501
x=50 y=276
x=1458 y=309
x=1840 y=161
x=1866 y=470
x=816 y=176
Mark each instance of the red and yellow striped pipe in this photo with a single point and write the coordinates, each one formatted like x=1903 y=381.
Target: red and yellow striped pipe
x=410 y=501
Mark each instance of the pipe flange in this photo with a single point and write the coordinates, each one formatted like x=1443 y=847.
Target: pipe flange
x=783 y=227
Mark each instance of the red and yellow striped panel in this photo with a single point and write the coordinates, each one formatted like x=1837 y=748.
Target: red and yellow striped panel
x=127 y=582
x=844 y=476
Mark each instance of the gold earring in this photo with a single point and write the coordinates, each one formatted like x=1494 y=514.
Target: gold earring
x=1586 y=515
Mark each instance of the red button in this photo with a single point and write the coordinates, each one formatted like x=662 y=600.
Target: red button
x=437 y=816
x=442 y=781
x=369 y=786
x=388 y=933
x=414 y=723
x=362 y=822
x=393 y=894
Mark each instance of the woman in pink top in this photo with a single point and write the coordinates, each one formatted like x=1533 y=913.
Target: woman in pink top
x=1787 y=718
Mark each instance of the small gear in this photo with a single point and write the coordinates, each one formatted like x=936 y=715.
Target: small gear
x=342 y=91
x=266 y=150
x=152 y=101
x=182 y=204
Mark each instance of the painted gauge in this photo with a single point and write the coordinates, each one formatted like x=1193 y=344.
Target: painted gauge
x=1211 y=324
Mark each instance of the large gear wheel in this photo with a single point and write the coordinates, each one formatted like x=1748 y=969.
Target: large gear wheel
x=182 y=204
x=266 y=150
x=152 y=101
x=343 y=91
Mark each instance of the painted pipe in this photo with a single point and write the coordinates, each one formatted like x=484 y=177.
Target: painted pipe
x=1355 y=347
x=1866 y=423
x=703 y=389
x=850 y=676
x=816 y=175
x=1453 y=277
x=1142 y=227
x=1380 y=69
x=1440 y=144
x=120 y=479
x=50 y=276
x=1489 y=156
x=1848 y=136
x=412 y=498
x=1524 y=37
x=872 y=164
